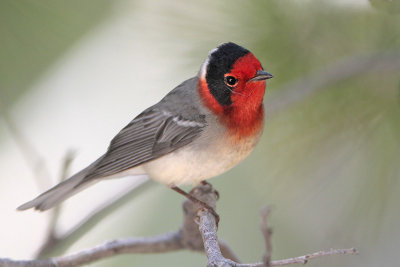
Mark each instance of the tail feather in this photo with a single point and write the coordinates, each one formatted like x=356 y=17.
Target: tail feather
x=60 y=192
x=57 y=194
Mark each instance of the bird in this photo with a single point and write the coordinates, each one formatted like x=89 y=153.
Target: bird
x=199 y=130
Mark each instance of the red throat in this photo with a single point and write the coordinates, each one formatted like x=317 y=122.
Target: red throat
x=245 y=116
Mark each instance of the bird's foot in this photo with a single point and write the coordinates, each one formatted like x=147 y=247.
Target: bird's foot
x=192 y=198
x=211 y=210
x=204 y=182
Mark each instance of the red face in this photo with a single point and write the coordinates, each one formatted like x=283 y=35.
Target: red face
x=245 y=92
x=244 y=112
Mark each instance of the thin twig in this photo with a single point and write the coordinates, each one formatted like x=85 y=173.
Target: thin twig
x=267 y=232
x=304 y=259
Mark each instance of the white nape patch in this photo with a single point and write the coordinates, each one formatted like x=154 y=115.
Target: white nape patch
x=203 y=69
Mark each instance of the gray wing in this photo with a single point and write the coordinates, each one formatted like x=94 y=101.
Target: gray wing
x=152 y=134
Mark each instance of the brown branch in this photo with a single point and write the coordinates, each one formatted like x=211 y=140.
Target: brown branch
x=162 y=243
x=198 y=233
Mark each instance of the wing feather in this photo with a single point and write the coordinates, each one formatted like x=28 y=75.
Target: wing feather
x=152 y=134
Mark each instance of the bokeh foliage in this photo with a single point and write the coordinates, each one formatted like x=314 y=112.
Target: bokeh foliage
x=35 y=33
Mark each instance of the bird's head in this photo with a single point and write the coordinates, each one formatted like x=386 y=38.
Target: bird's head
x=232 y=76
x=232 y=82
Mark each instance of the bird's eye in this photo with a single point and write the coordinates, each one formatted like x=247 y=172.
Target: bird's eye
x=230 y=81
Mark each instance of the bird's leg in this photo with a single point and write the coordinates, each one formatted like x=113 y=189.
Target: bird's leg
x=195 y=200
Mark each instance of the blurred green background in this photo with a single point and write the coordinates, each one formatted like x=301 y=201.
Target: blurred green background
x=328 y=162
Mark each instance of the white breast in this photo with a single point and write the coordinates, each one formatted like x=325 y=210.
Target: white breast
x=210 y=155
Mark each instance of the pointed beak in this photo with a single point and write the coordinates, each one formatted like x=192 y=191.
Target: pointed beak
x=261 y=75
